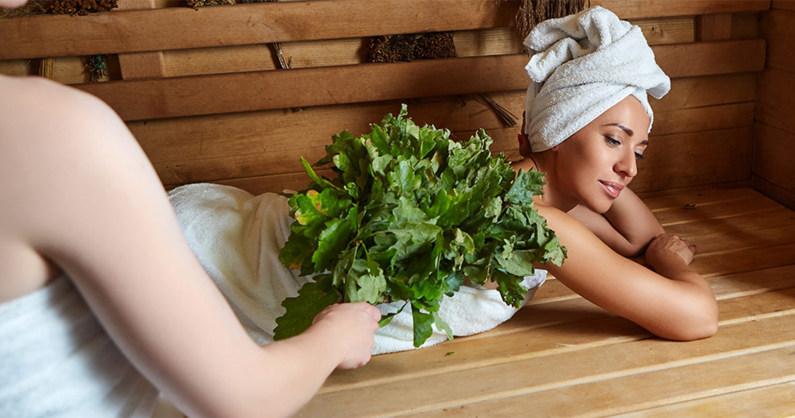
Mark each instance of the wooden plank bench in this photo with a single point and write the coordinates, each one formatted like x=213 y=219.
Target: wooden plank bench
x=563 y=356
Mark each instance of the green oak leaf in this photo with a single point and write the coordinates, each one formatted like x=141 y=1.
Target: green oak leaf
x=312 y=298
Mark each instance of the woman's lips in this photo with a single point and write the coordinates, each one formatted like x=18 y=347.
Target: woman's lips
x=612 y=189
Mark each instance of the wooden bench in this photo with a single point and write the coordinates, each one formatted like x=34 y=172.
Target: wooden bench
x=203 y=94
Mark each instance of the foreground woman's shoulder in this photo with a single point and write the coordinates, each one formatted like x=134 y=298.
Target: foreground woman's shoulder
x=25 y=99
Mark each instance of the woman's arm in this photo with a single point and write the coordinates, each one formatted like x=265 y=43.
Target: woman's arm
x=85 y=196
x=674 y=303
x=628 y=227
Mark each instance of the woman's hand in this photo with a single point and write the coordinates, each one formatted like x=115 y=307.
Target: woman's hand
x=668 y=252
x=354 y=326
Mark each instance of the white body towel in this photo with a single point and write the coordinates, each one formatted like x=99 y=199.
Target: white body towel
x=237 y=238
x=57 y=361
x=581 y=66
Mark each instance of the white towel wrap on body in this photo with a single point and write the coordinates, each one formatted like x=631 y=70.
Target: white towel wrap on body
x=237 y=237
x=582 y=65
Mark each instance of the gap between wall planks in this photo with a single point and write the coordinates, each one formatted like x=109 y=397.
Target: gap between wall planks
x=247 y=24
x=228 y=93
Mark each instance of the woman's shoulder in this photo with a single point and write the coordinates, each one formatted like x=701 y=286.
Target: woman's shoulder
x=48 y=102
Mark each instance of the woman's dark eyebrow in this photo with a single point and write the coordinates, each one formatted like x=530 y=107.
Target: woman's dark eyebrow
x=624 y=128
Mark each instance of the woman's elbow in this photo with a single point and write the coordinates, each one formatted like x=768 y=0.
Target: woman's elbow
x=699 y=325
x=698 y=331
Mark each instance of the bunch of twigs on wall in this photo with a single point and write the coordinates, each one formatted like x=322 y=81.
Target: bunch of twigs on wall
x=411 y=47
x=532 y=12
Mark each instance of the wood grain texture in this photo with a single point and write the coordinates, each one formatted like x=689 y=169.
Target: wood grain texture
x=745 y=25
x=714 y=27
x=183 y=151
x=349 y=51
x=187 y=149
x=776 y=99
x=228 y=93
x=774 y=150
x=248 y=24
x=684 y=160
x=774 y=401
x=783 y=5
x=784 y=196
x=141 y=65
x=333 y=52
x=778 y=29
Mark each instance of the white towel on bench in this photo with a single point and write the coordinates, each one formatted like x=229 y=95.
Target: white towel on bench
x=237 y=237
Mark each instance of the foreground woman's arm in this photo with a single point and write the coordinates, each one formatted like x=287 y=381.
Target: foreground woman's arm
x=79 y=191
x=674 y=302
x=628 y=227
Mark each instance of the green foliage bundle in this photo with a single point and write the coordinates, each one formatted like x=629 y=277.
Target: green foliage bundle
x=411 y=216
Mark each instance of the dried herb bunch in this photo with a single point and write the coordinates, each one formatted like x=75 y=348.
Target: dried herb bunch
x=532 y=12
x=80 y=7
x=203 y=3
x=397 y=48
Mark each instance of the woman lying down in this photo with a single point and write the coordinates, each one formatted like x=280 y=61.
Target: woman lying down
x=586 y=123
x=103 y=303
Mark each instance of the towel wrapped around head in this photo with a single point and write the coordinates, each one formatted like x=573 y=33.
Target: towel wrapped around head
x=581 y=66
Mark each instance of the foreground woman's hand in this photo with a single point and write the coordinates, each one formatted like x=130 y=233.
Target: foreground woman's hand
x=354 y=326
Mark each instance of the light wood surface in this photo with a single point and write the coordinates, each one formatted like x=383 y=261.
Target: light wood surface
x=562 y=356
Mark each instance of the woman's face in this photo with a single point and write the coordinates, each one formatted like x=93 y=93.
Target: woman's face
x=598 y=161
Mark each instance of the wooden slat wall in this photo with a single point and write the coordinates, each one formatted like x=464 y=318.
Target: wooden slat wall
x=774 y=129
x=212 y=106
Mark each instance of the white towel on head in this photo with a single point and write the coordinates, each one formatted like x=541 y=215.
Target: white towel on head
x=581 y=66
x=237 y=238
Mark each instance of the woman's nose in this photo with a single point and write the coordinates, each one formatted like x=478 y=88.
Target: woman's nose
x=627 y=165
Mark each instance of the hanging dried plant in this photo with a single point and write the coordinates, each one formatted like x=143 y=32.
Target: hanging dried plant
x=80 y=7
x=96 y=67
x=204 y=3
x=532 y=12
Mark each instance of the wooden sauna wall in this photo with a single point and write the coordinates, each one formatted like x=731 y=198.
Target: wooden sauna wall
x=774 y=128
x=226 y=114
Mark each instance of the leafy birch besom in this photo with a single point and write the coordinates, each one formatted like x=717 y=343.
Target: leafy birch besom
x=410 y=216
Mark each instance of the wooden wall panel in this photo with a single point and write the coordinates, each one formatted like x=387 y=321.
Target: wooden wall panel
x=776 y=99
x=247 y=24
x=783 y=5
x=778 y=29
x=228 y=93
x=774 y=135
x=335 y=52
x=259 y=144
x=773 y=143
